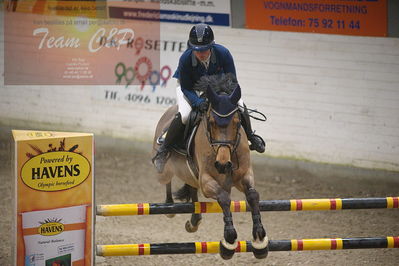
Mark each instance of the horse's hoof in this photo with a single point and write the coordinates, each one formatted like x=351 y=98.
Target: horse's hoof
x=260 y=249
x=260 y=253
x=227 y=250
x=170 y=215
x=191 y=228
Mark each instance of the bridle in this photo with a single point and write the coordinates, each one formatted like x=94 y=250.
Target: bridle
x=217 y=143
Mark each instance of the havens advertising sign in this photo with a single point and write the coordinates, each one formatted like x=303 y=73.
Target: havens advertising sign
x=55 y=171
x=54 y=198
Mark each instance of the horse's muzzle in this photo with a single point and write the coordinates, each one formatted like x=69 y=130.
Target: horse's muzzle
x=224 y=168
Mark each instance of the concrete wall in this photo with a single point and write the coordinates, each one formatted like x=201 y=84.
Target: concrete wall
x=328 y=98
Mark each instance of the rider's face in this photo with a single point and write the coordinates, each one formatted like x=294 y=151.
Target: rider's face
x=202 y=55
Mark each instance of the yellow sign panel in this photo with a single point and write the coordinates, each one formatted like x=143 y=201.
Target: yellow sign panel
x=55 y=171
x=54 y=197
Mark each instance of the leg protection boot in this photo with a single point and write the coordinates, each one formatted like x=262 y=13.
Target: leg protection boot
x=257 y=143
x=175 y=131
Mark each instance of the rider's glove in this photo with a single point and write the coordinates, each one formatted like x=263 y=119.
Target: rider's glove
x=203 y=106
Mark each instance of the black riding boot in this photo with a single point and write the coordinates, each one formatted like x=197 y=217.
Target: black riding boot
x=257 y=143
x=175 y=131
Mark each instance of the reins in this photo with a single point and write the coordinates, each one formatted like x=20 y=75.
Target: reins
x=263 y=118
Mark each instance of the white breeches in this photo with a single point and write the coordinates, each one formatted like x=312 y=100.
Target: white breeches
x=185 y=107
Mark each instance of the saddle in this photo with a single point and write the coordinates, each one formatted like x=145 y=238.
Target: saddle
x=185 y=145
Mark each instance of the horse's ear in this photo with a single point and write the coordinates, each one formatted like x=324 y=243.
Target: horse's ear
x=236 y=95
x=212 y=96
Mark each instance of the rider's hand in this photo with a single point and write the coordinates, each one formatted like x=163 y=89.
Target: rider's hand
x=203 y=106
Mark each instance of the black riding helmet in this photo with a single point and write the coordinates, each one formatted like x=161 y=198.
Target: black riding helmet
x=201 y=37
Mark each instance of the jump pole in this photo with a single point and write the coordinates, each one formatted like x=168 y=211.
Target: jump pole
x=241 y=206
x=246 y=246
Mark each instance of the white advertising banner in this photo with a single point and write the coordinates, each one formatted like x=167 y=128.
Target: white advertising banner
x=216 y=12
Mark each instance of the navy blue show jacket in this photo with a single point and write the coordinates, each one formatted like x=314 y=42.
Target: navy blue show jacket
x=190 y=70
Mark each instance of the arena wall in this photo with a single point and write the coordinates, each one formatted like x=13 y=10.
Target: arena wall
x=328 y=98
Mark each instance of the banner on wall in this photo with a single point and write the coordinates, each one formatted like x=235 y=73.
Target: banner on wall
x=215 y=12
x=159 y=91
x=91 y=9
x=347 y=17
x=78 y=50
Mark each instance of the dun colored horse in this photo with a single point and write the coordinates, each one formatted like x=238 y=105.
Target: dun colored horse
x=221 y=155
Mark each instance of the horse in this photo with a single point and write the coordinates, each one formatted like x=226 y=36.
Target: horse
x=221 y=155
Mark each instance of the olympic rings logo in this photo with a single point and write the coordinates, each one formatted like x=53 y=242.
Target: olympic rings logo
x=142 y=71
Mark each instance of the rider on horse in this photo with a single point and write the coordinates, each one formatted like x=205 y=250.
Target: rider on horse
x=203 y=57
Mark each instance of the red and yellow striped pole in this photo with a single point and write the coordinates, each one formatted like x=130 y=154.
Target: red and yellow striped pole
x=316 y=204
x=214 y=207
x=241 y=206
x=392 y=202
x=316 y=244
x=123 y=209
x=246 y=246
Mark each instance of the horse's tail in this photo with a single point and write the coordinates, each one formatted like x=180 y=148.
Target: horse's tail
x=183 y=194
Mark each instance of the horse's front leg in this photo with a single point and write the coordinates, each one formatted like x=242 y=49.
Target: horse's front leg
x=211 y=189
x=260 y=240
x=229 y=244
